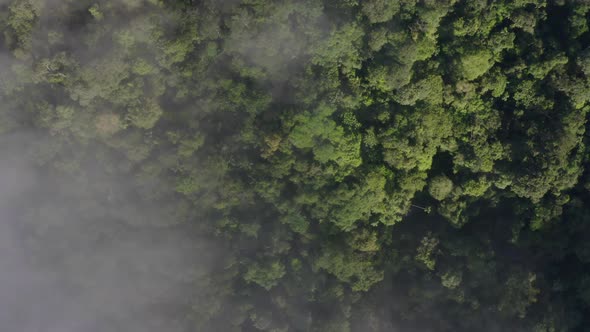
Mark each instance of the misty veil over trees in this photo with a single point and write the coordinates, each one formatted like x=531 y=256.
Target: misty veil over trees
x=294 y=165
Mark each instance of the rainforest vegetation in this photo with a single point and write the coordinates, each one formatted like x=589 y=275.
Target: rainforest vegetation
x=326 y=165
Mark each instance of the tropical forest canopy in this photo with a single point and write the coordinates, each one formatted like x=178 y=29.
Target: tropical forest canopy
x=296 y=165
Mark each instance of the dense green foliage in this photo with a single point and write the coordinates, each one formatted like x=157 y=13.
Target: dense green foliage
x=362 y=165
